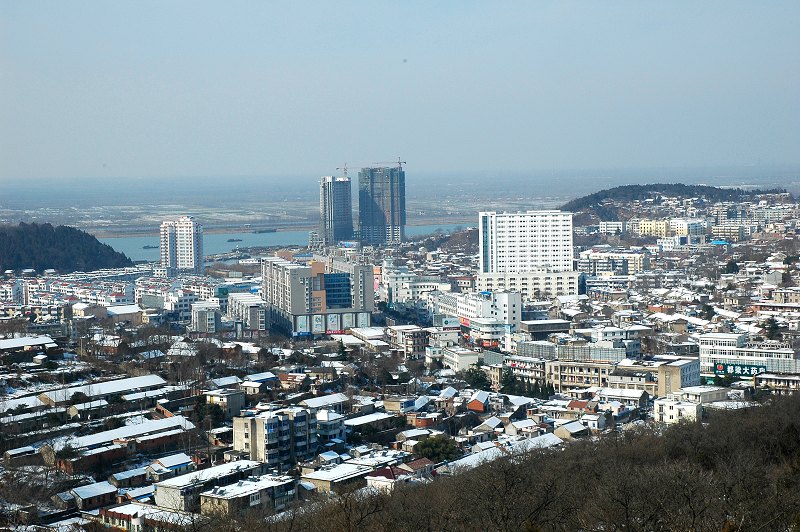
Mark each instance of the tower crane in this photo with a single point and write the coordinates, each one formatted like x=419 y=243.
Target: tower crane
x=345 y=166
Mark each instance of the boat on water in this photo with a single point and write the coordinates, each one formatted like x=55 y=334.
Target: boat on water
x=149 y=247
x=234 y=240
x=259 y=231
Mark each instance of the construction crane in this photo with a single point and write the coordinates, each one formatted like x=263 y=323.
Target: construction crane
x=344 y=167
x=398 y=162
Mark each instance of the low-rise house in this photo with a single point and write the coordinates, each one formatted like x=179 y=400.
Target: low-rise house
x=571 y=431
x=479 y=402
x=129 y=478
x=336 y=402
x=230 y=401
x=703 y=394
x=672 y=409
x=94 y=496
x=183 y=492
x=269 y=492
x=137 y=517
x=339 y=477
x=169 y=466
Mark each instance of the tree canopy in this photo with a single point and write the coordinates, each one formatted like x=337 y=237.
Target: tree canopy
x=437 y=449
x=62 y=248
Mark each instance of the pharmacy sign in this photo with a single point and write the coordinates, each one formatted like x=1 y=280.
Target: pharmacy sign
x=743 y=370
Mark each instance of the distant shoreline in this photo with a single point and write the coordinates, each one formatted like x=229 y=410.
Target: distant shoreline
x=134 y=232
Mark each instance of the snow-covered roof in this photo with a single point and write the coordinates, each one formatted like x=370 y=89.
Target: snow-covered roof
x=93 y=490
x=128 y=431
x=98 y=389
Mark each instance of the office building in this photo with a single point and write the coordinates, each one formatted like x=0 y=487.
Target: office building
x=382 y=205
x=324 y=296
x=335 y=210
x=182 y=246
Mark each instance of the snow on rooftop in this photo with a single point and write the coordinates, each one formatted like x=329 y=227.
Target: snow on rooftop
x=106 y=388
x=247 y=487
x=368 y=418
x=128 y=431
x=203 y=475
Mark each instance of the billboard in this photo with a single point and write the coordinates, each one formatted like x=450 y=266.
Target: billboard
x=302 y=324
x=318 y=323
x=744 y=370
x=451 y=323
x=332 y=326
x=348 y=320
x=363 y=319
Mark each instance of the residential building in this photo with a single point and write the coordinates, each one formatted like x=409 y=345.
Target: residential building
x=659 y=228
x=335 y=210
x=249 y=309
x=279 y=438
x=672 y=409
x=525 y=241
x=567 y=374
x=267 y=492
x=206 y=317
x=230 y=401
x=183 y=492
x=182 y=245
x=605 y=260
x=410 y=340
x=382 y=205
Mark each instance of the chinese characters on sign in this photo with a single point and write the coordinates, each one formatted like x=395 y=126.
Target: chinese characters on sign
x=739 y=369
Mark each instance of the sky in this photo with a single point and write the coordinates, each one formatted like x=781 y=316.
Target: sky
x=115 y=91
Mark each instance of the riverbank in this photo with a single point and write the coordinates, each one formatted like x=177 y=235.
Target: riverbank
x=123 y=232
x=145 y=247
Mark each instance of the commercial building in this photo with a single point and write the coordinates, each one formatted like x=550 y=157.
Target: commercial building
x=325 y=296
x=733 y=355
x=529 y=252
x=182 y=245
x=382 y=205
x=335 y=210
x=502 y=306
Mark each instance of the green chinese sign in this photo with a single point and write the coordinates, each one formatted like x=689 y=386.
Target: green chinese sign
x=738 y=369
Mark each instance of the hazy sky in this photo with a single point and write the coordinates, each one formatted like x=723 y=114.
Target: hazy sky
x=169 y=88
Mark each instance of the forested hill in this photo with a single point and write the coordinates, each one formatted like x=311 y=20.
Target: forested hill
x=65 y=249
x=627 y=193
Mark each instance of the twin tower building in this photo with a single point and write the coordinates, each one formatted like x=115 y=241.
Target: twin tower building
x=381 y=207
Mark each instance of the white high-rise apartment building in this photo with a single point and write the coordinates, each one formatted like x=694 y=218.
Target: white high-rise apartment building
x=525 y=242
x=182 y=245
